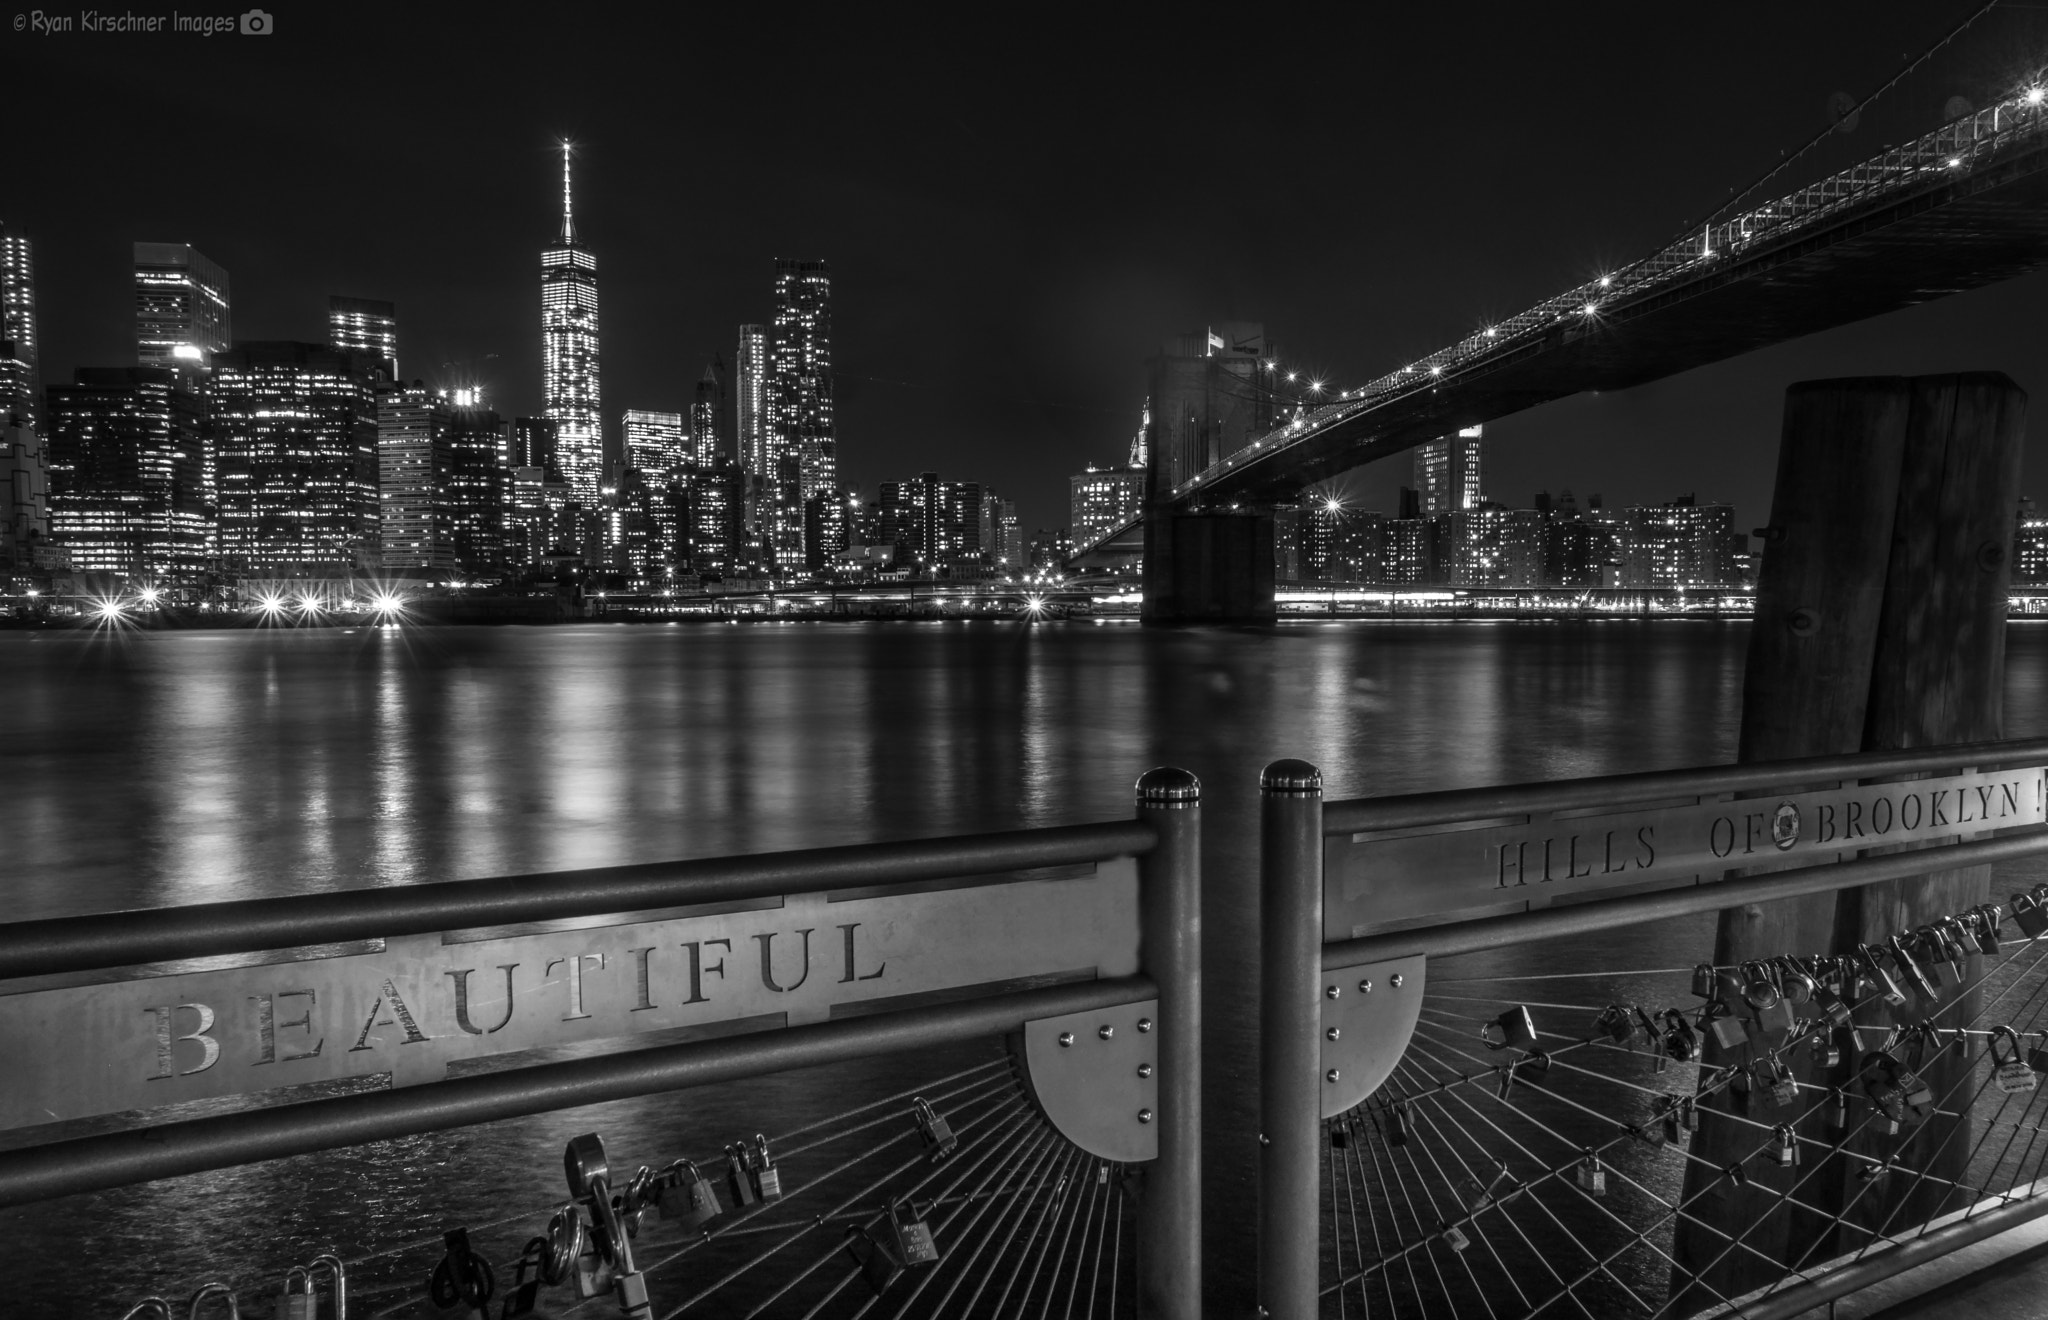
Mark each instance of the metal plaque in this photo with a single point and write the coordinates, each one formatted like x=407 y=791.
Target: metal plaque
x=1372 y=882
x=1093 y=1077
x=425 y=1002
x=1366 y=1029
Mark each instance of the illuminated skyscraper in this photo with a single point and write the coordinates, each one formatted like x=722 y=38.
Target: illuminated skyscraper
x=569 y=385
x=126 y=494
x=805 y=458
x=1447 y=473
x=181 y=306
x=21 y=389
x=295 y=428
x=366 y=324
x=656 y=445
x=754 y=432
x=707 y=416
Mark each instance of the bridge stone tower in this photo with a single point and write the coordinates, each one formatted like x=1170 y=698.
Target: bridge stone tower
x=1211 y=395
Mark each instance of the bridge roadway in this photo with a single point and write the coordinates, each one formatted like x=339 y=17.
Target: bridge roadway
x=1960 y=208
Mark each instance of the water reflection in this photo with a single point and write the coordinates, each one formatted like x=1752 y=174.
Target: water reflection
x=165 y=768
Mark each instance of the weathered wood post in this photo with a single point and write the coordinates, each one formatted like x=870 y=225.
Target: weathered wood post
x=1805 y=693
x=1939 y=677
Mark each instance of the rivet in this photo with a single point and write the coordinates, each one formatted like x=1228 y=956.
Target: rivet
x=1105 y=1031
x=1066 y=1038
x=1330 y=1076
x=1332 y=991
x=1395 y=980
x=1365 y=986
x=1331 y=1034
x=1144 y=1024
x=1144 y=1116
x=1144 y=1070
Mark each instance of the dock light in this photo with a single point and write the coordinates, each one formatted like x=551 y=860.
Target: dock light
x=150 y=594
x=2035 y=95
x=109 y=609
x=309 y=605
x=386 y=604
x=271 y=604
x=1954 y=161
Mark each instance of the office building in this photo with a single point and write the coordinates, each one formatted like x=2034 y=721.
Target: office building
x=717 y=519
x=1493 y=546
x=181 y=307
x=707 y=416
x=1342 y=544
x=1002 y=540
x=21 y=384
x=657 y=445
x=1447 y=473
x=752 y=435
x=1050 y=549
x=295 y=431
x=126 y=481
x=1101 y=500
x=805 y=459
x=569 y=355
x=935 y=525
x=537 y=524
x=368 y=325
x=530 y=442
x=1680 y=544
x=24 y=498
x=444 y=491
x=1408 y=561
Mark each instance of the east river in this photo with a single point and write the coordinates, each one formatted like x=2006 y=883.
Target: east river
x=155 y=769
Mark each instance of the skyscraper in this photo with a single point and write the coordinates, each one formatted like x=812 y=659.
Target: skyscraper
x=805 y=455
x=416 y=523
x=295 y=429
x=1447 y=472
x=707 y=415
x=569 y=383
x=126 y=488
x=366 y=324
x=753 y=434
x=21 y=388
x=181 y=306
x=656 y=445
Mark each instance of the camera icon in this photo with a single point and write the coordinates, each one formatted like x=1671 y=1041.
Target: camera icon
x=257 y=23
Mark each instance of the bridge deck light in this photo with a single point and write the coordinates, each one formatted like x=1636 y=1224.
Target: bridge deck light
x=1587 y=309
x=1606 y=280
x=2035 y=95
x=1436 y=371
x=1954 y=161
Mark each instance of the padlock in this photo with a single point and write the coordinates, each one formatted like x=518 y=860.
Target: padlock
x=1759 y=990
x=1824 y=1049
x=739 y=1176
x=1616 y=1023
x=1918 y=1095
x=1681 y=1042
x=1703 y=982
x=636 y=1202
x=1517 y=1030
x=875 y=1257
x=605 y=1265
x=213 y=1290
x=1454 y=1239
x=2008 y=1070
x=1737 y=1174
x=1776 y=1082
x=1879 y=1072
x=1838 y=1109
x=1930 y=950
x=1768 y=1028
x=1916 y=976
x=1653 y=1133
x=329 y=1264
x=1476 y=1194
x=2029 y=915
x=1688 y=1113
x=1340 y=1133
x=1785 y=1145
x=1874 y=1172
x=2037 y=1055
x=1724 y=1028
x=529 y=1274
x=767 y=1178
x=939 y=1141
x=462 y=1277
x=1741 y=1083
x=155 y=1308
x=1397 y=1124
x=1592 y=1174
x=1798 y=983
x=1507 y=1079
x=1984 y=928
x=1668 y=1116
x=296 y=1305
x=591 y=1273
x=1834 y=1010
x=912 y=1237
x=565 y=1241
x=1881 y=981
x=686 y=1196
x=1957 y=932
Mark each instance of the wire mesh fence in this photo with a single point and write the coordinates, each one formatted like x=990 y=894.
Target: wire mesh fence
x=1538 y=1149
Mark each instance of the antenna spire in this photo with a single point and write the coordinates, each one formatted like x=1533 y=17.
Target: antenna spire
x=568 y=221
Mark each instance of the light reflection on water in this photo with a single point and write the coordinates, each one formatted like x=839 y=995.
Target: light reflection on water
x=160 y=769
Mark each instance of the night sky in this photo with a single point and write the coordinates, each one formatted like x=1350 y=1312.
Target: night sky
x=1017 y=204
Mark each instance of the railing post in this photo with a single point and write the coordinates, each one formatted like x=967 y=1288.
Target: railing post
x=1170 y=952
x=1291 y=993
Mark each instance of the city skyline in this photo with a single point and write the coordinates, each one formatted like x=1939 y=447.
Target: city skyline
x=1039 y=357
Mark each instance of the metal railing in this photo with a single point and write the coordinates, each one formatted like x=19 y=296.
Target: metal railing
x=1013 y=1194
x=1931 y=160
x=1408 y=1169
